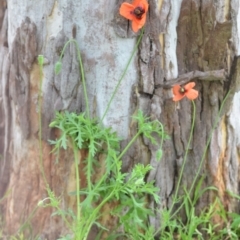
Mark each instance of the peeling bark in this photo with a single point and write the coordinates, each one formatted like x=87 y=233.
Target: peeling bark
x=204 y=48
x=22 y=56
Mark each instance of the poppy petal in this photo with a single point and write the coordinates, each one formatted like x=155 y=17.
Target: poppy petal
x=126 y=10
x=136 y=3
x=135 y=26
x=189 y=86
x=142 y=3
x=145 y=4
x=176 y=92
x=178 y=97
x=142 y=21
x=138 y=23
x=176 y=89
x=192 y=94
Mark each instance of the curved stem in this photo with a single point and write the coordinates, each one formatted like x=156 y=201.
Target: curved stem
x=123 y=75
x=81 y=70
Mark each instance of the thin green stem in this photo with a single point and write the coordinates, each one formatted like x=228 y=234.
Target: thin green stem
x=102 y=179
x=29 y=218
x=89 y=171
x=185 y=156
x=81 y=70
x=86 y=225
x=65 y=220
x=123 y=74
x=76 y=161
x=208 y=142
x=129 y=144
x=40 y=62
x=91 y=219
x=204 y=154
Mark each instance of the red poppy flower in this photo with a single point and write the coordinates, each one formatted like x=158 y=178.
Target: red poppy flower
x=180 y=92
x=136 y=12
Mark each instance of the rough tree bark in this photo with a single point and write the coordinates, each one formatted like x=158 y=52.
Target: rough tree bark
x=184 y=41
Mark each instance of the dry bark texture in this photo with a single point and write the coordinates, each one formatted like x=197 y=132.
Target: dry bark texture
x=191 y=40
x=204 y=43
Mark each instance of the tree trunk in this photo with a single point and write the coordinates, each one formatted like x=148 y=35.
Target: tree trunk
x=191 y=40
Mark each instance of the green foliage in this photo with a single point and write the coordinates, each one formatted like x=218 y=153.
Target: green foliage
x=128 y=189
x=148 y=128
x=79 y=131
x=126 y=193
x=84 y=132
x=40 y=60
x=198 y=225
x=18 y=237
x=58 y=67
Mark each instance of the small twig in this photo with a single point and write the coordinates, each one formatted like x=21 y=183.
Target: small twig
x=216 y=75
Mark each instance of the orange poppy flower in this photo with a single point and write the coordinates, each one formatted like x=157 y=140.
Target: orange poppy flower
x=136 y=12
x=180 y=92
